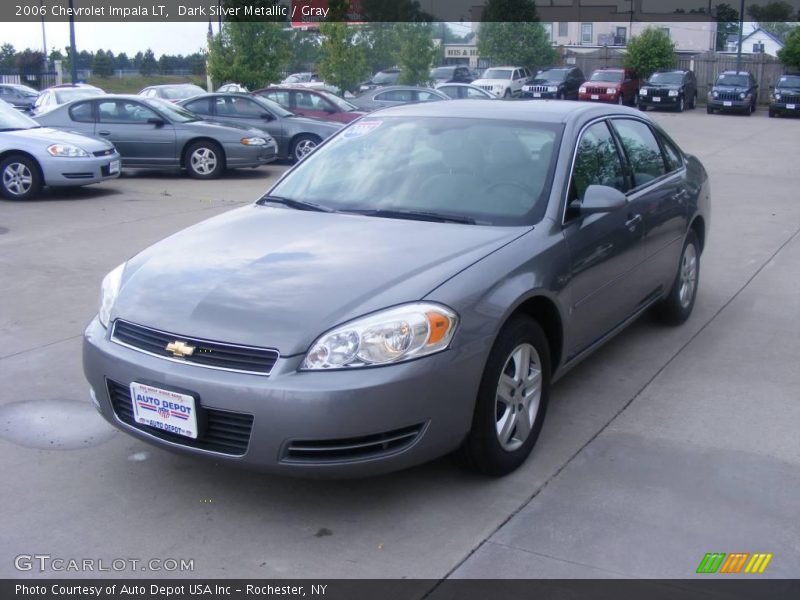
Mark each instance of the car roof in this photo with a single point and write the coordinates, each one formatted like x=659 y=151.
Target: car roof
x=735 y=73
x=612 y=69
x=549 y=111
x=165 y=85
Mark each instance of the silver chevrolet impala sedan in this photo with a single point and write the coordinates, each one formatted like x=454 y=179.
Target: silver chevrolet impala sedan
x=411 y=288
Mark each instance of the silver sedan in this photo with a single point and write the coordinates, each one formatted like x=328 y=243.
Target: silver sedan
x=153 y=133
x=395 y=95
x=32 y=156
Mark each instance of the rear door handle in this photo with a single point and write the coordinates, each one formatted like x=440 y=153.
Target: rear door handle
x=633 y=222
x=104 y=132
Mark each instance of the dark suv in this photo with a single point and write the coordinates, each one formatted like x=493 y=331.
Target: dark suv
x=561 y=83
x=669 y=89
x=381 y=79
x=785 y=98
x=451 y=74
x=735 y=91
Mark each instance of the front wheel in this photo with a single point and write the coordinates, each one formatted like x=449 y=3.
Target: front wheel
x=507 y=94
x=19 y=178
x=709 y=110
x=204 y=160
x=512 y=399
x=681 y=105
x=678 y=305
x=693 y=103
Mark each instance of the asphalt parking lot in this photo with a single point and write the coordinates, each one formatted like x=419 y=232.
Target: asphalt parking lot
x=665 y=445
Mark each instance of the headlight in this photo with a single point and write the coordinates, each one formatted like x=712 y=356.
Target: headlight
x=108 y=294
x=254 y=141
x=582 y=90
x=389 y=336
x=611 y=91
x=742 y=96
x=673 y=93
x=715 y=94
x=777 y=96
x=552 y=88
x=643 y=92
x=67 y=150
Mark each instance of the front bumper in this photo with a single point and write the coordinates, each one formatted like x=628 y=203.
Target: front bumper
x=610 y=98
x=433 y=396
x=539 y=95
x=739 y=105
x=239 y=155
x=659 y=101
x=785 y=108
x=60 y=171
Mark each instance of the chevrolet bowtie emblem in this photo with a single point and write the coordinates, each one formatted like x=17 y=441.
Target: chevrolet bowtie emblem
x=180 y=349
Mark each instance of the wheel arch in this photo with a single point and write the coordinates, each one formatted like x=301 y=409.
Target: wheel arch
x=545 y=311
x=28 y=155
x=194 y=140
x=699 y=227
x=294 y=138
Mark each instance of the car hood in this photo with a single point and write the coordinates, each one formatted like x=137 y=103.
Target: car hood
x=663 y=86
x=491 y=82
x=787 y=90
x=48 y=136
x=275 y=277
x=735 y=89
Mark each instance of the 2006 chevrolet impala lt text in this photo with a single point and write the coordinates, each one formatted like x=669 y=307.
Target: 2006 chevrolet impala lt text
x=410 y=288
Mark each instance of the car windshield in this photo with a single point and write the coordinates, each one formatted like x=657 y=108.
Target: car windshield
x=70 y=94
x=554 y=75
x=175 y=113
x=25 y=90
x=733 y=79
x=610 y=76
x=442 y=72
x=493 y=172
x=343 y=105
x=386 y=77
x=181 y=92
x=11 y=119
x=273 y=107
x=497 y=74
x=789 y=81
x=298 y=78
x=666 y=78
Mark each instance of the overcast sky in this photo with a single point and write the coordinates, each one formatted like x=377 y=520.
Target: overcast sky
x=163 y=38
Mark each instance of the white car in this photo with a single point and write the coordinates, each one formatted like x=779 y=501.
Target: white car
x=504 y=82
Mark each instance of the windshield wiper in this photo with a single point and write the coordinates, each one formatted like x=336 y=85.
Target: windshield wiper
x=413 y=215
x=296 y=204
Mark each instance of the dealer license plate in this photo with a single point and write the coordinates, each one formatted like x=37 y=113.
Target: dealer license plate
x=113 y=167
x=791 y=106
x=169 y=411
x=656 y=99
x=727 y=103
x=537 y=94
x=595 y=97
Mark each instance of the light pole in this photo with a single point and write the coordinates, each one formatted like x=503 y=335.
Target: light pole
x=741 y=32
x=44 y=39
x=73 y=63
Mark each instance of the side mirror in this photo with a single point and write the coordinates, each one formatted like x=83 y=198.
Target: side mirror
x=600 y=199
x=157 y=121
x=267 y=116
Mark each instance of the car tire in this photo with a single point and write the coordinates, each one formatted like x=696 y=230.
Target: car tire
x=678 y=305
x=507 y=94
x=681 y=105
x=772 y=114
x=693 y=105
x=20 y=178
x=709 y=110
x=519 y=364
x=642 y=107
x=204 y=160
x=302 y=145
x=621 y=100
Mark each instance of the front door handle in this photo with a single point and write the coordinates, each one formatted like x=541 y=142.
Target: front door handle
x=680 y=196
x=633 y=222
x=103 y=132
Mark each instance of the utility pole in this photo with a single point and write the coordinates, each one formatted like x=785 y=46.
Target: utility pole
x=741 y=34
x=73 y=63
x=44 y=39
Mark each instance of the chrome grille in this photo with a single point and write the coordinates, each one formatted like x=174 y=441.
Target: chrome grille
x=215 y=355
x=728 y=96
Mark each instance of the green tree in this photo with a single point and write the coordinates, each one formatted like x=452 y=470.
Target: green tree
x=197 y=63
x=343 y=63
x=382 y=45
x=516 y=43
x=148 y=64
x=7 y=54
x=253 y=54
x=727 y=19
x=650 y=51
x=29 y=61
x=773 y=17
x=103 y=64
x=417 y=53
x=122 y=61
x=306 y=50
x=789 y=55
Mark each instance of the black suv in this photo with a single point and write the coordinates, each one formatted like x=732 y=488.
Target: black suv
x=451 y=74
x=785 y=97
x=734 y=91
x=381 y=79
x=669 y=89
x=561 y=83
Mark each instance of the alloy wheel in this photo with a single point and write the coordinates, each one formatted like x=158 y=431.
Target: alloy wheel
x=688 y=275
x=518 y=397
x=17 y=179
x=303 y=148
x=203 y=161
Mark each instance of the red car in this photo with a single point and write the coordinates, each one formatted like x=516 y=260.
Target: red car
x=312 y=103
x=616 y=86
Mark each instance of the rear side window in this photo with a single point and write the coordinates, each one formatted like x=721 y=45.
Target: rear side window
x=597 y=162
x=200 y=107
x=672 y=156
x=82 y=113
x=396 y=96
x=642 y=150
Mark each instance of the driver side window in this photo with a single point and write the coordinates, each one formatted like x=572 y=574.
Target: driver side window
x=597 y=162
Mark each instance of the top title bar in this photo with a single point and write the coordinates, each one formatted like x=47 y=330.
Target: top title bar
x=314 y=11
